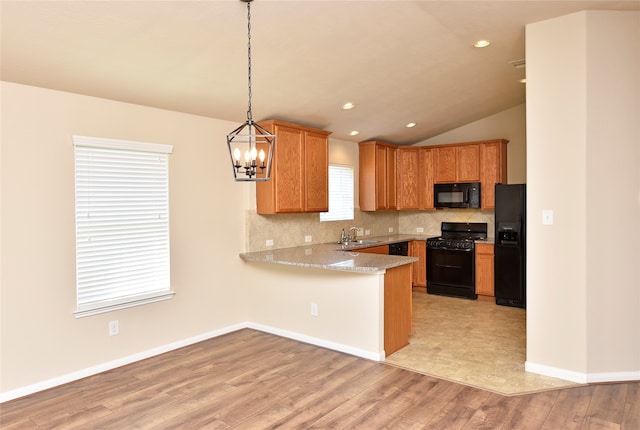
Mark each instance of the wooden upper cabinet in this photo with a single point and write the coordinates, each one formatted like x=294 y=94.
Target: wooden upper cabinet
x=414 y=178
x=426 y=178
x=457 y=163
x=493 y=170
x=408 y=175
x=377 y=173
x=299 y=173
x=316 y=172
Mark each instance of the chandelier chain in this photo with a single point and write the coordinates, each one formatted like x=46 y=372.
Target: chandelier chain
x=249 y=57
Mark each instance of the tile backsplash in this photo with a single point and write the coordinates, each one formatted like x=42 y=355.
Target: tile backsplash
x=287 y=230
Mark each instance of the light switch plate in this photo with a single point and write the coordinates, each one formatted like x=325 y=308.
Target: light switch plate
x=308 y=239
x=547 y=217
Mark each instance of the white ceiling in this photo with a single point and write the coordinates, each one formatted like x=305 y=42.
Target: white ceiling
x=398 y=61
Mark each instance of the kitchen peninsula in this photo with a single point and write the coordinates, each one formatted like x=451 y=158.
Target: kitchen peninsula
x=333 y=296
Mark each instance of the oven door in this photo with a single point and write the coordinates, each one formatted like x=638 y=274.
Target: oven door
x=451 y=272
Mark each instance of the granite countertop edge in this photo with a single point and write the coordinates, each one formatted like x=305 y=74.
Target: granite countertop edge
x=333 y=256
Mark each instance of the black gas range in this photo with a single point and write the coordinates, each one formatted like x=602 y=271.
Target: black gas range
x=451 y=259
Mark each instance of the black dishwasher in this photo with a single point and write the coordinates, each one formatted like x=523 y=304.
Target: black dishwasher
x=400 y=248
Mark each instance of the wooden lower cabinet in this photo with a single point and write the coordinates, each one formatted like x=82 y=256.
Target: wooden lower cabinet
x=380 y=249
x=418 y=248
x=398 y=306
x=484 y=270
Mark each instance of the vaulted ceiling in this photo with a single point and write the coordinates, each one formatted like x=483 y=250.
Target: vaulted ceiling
x=397 y=61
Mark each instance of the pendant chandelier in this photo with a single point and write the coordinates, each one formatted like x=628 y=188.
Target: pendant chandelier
x=250 y=145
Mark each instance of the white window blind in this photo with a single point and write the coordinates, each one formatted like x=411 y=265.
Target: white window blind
x=340 y=194
x=122 y=224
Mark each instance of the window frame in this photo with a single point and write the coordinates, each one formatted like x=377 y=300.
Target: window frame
x=342 y=214
x=137 y=158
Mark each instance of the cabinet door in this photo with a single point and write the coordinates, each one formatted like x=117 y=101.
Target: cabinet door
x=381 y=177
x=367 y=168
x=468 y=163
x=484 y=270
x=380 y=249
x=445 y=164
x=418 y=249
x=316 y=192
x=408 y=175
x=425 y=179
x=391 y=178
x=493 y=170
x=289 y=163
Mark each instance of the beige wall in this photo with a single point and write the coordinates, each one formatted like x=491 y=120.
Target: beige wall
x=40 y=338
x=583 y=162
x=350 y=306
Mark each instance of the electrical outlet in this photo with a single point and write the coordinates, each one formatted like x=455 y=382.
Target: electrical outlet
x=314 y=309
x=269 y=242
x=114 y=328
x=360 y=231
x=390 y=229
x=367 y=232
x=420 y=230
x=308 y=239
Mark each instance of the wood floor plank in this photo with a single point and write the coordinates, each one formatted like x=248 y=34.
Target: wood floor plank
x=570 y=409
x=253 y=380
x=607 y=403
x=631 y=416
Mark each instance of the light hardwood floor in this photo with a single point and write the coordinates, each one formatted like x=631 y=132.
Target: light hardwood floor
x=472 y=342
x=253 y=380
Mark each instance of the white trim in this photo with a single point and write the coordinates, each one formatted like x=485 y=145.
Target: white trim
x=123 y=304
x=554 y=372
x=128 y=145
x=370 y=355
x=613 y=377
x=579 y=377
x=99 y=368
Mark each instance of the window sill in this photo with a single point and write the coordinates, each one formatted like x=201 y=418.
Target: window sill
x=96 y=309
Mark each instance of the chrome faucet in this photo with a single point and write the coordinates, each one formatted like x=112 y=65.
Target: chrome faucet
x=345 y=238
x=354 y=237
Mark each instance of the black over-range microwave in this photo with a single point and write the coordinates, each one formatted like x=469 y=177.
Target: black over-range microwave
x=459 y=195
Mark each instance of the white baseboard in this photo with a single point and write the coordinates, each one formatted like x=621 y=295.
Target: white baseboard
x=370 y=355
x=613 y=377
x=93 y=370
x=555 y=372
x=581 y=378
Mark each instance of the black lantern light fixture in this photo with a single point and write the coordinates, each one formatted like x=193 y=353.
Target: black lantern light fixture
x=250 y=145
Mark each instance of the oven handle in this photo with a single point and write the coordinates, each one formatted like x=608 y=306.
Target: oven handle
x=441 y=248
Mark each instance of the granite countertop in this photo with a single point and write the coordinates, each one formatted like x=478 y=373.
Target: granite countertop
x=332 y=256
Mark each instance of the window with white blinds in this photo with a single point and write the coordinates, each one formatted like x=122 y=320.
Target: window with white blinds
x=340 y=194
x=122 y=224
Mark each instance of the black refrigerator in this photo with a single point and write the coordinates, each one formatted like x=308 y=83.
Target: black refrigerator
x=510 y=245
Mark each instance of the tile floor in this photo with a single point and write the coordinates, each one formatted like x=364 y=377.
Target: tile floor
x=472 y=342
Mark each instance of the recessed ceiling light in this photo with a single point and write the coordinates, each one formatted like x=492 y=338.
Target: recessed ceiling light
x=348 y=106
x=411 y=125
x=482 y=43
x=354 y=133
